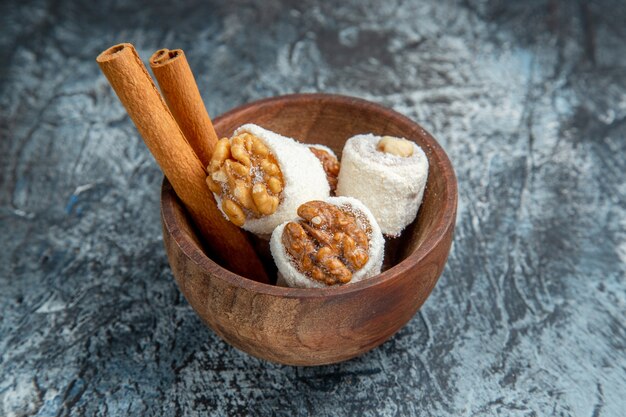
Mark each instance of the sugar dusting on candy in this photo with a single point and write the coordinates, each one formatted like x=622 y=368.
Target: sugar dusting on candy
x=257 y=175
x=303 y=175
x=361 y=219
x=391 y=186
x=365 y=219
x=367 y=147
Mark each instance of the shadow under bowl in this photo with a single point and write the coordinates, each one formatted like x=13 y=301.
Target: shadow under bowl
x=318 y=326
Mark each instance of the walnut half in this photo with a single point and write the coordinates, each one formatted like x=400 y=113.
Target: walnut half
x=246 y=175
x=328 y=245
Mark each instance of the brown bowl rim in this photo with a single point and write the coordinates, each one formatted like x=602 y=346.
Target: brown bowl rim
x=441 y=229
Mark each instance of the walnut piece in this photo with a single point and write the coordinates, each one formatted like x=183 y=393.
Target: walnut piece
x=246 y=175
x=330 y=165
x=328 y=245
x=395 y=146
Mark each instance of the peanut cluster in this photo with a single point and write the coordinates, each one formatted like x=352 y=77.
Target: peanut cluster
x=246 y=175
x=330 y=165
x=328 y=245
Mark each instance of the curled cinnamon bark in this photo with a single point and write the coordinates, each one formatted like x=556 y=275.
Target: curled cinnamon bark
x=163 y=137
x=179 y=88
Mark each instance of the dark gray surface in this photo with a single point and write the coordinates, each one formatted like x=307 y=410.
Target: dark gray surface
x=528 y=99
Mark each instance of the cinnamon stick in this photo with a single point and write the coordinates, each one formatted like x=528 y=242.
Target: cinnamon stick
x=145 y=106
x=182 y=96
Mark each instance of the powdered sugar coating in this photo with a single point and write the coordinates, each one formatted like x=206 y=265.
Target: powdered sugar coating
x=391 y=186
x=365 y=219
x=303 y=175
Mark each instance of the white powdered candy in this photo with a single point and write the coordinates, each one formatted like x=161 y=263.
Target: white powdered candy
x=303 y=179
x=289 y=268
x=329 y=161
x=388 y=175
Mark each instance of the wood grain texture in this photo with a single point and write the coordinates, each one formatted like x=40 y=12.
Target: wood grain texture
x=315 y=327
x=162 y=135
x=181 y=94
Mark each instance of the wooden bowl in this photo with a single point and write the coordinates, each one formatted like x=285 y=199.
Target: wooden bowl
x=318 y=326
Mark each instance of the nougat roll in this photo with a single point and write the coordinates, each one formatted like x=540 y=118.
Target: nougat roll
x=388 y=175
x=334 y=242
x=259 y=178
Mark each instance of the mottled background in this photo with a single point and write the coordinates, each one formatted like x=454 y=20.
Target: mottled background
x=528 y=99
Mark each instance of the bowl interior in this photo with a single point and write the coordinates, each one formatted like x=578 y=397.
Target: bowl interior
x=331 y=120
